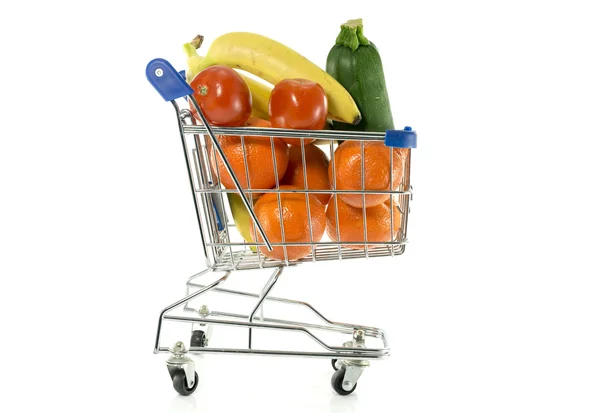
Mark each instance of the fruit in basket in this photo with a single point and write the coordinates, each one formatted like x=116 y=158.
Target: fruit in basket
x=317 y=165
x=355 y=63
x=296 y=222
x=349 y=162
x=298 y=104
x=241 y=217
x=273 y=62
x=222 y=95
x=259 y=156
x=351 y=223
x=260 y=91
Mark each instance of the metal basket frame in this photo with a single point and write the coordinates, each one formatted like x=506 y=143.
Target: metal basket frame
x=223 y=253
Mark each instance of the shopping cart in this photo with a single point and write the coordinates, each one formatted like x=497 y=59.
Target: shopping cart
x=225 y=251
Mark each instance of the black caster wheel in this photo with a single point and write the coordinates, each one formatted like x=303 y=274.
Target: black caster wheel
x=198 y=339
x=333 y=361
x=180 y=384
x=336 y=382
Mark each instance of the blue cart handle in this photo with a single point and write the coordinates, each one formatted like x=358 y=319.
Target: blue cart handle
x=166 y=80
x=406 y=138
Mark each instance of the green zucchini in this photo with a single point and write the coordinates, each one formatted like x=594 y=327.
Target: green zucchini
x=355 y=63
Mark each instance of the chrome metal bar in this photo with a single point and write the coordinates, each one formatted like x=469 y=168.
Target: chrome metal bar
x=243 y=143
x=362 y=187
x=408 y=186
x=248 y=260
x=335 y=200
x=197 y=275
x=209 y=130
x=306 y=243
x=201 y=173
x=213 y=180
x=268 y=327
x=250 y=200
x=304 y=174
x=205 y=196
x=309 y=191
x=208 y=201
x=249 y=186
x=289 y=133
x=281 y=222
x=191 y=178
x=218 y=189
x=264 y=293
x=183 y=300
x=392 y=207
x=326 y=355
x=367 y=329
x=337 y=329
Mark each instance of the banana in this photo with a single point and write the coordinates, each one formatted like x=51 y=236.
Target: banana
x=273 y=62
x=258 y=114
x=260 y=91
x=241 y=217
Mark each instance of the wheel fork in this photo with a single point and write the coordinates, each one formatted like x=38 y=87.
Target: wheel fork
x=179 y=360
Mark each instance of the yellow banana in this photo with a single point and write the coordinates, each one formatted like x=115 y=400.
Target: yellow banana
x=259 y=90
x=241 y=216
x=273 y=62
x=261 y=93
x=258 y=114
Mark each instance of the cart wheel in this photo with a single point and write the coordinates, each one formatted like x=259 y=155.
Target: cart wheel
x=333 y=361
x=180 y=384
x=336 y=382
x=198 y=339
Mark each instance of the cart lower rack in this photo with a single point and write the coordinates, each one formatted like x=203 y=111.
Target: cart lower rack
x=226 y=251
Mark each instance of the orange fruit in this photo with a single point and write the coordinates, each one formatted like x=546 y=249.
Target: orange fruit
x=317 y=165
x=296 y=223
x=297 y=141
x=257 y=122
x=259 y=156
x=379 y=222
x=348 y=165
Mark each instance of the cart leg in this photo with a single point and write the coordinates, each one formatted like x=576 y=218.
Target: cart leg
x=265 y=291
x=183 y=301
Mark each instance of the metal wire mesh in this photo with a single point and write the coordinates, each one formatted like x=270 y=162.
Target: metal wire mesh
x=224 y=246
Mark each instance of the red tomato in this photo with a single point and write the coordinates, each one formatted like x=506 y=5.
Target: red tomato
x=298 y=104
x=222 y=95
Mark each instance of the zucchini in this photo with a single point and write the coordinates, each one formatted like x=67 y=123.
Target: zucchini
x=355 y=63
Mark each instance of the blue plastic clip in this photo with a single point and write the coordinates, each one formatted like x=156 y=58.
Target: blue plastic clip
x=406 y=138
x=218 y=216
x=166 y=80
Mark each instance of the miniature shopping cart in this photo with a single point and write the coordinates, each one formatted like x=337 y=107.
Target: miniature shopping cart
x=226 y=251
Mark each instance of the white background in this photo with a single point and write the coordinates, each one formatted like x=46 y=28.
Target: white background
x=495 y=305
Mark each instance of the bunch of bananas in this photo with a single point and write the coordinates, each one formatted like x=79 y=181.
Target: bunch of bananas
x=273 y=62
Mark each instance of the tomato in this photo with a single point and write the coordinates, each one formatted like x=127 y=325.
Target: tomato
x=298 y=104
x=222 y=95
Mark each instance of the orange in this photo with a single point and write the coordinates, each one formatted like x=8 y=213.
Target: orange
x=317 y=165
x=259 y=156
x=296 y=223
x=256 y=122
x=379 y=221
x=348 y=165
x=297 y=141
